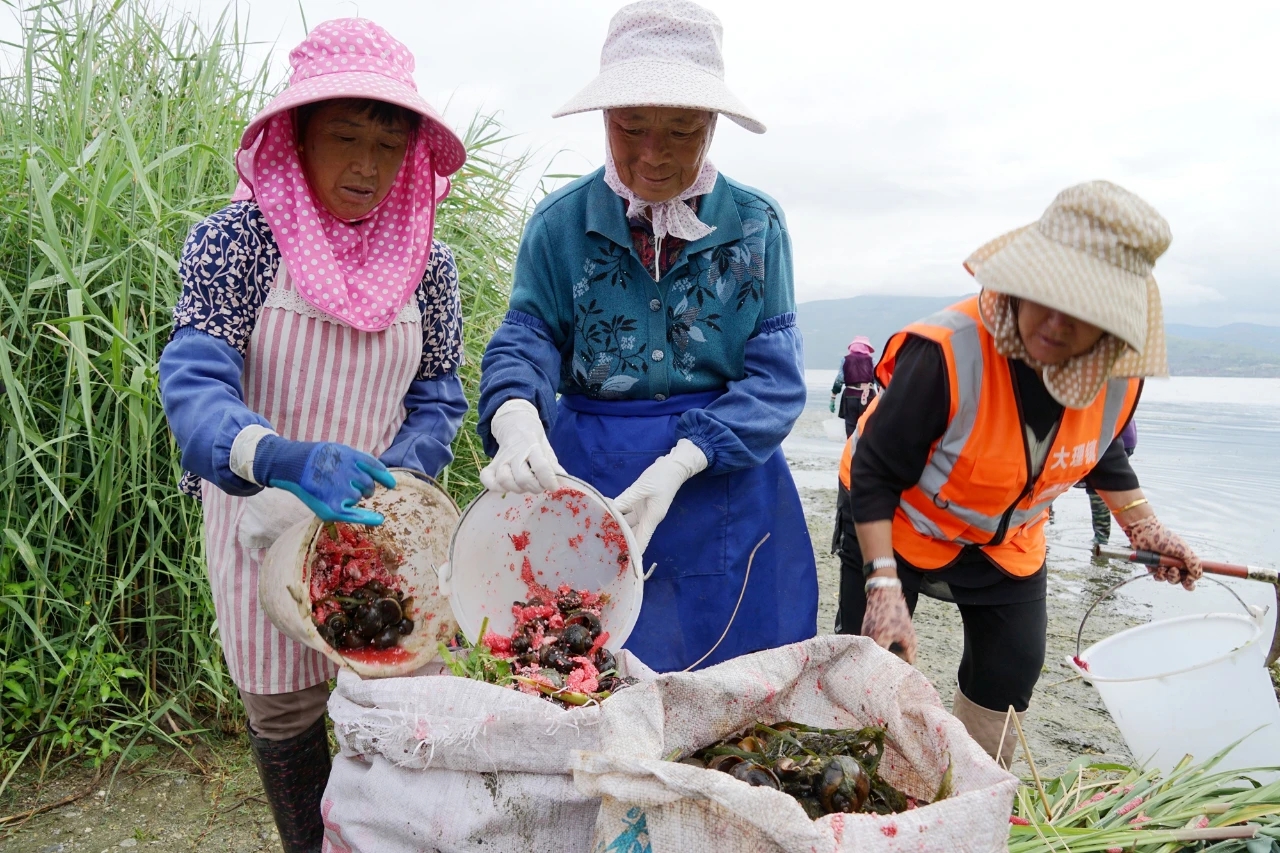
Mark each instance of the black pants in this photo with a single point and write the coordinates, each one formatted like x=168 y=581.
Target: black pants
x=1004 y=644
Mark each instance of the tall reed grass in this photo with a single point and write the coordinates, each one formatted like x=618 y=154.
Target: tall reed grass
x=116 y=134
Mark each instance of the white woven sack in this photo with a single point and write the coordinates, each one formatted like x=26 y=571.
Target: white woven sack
x=833 y=682
x=450 y=764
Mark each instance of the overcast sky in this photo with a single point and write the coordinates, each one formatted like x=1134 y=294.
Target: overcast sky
x=904 y=134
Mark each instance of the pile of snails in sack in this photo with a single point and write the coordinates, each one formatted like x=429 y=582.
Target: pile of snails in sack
x=825 y=770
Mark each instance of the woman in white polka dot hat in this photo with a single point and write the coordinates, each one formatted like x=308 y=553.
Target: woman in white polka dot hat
x=316 y=342
x=655 y=296
x=993 y=408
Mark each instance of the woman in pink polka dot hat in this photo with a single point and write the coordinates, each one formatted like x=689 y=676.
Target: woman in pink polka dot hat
x=316 y=343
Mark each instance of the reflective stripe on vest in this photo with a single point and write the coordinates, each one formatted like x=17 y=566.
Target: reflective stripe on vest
x=974 y=488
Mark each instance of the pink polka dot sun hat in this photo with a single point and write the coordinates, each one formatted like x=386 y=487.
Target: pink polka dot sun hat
x=356 y=58
x=360 y=273
x=663 y=53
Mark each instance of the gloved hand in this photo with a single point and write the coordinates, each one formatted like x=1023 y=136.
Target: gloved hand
x=1148 y=534
x=888 y=622
x=832 y=407
x=328 y=477
x=646 y=501
x=525 y=460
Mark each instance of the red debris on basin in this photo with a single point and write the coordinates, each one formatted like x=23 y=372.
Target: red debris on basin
x=358 y=602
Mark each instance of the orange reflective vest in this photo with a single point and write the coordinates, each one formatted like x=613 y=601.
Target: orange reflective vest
x=976 y=488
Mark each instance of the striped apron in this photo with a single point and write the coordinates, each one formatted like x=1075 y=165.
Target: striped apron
x=314 y=379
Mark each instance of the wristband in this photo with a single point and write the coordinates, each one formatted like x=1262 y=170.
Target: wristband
x=1131 y=505
x=877 y=564
x=883 y=583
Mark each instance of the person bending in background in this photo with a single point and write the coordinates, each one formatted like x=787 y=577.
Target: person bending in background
x=855 y=383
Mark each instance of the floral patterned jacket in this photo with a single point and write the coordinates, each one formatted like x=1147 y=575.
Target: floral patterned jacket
x=586 y=317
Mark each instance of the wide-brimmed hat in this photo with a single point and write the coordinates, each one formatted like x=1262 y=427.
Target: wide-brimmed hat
x=356 y=58
x=662 y=53
x=861 y=343
x=1091 y=256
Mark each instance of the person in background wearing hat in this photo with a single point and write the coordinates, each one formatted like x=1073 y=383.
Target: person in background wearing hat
x=315 y=343
x=857 y=380
x=994 y=407
x=655 y=296
x=1098 y=509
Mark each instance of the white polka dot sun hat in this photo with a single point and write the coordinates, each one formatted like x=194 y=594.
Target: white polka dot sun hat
x=1091 y=256
x=356 y=58
x=662 y=53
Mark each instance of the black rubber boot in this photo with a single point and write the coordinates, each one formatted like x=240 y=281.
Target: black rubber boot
x=294 y=773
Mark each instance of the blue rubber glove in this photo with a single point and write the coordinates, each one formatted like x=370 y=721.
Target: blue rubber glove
x=328 y=477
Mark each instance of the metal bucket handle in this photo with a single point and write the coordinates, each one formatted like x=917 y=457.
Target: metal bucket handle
x=1107 y=594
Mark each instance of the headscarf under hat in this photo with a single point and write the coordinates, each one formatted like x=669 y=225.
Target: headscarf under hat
x=672 y=216
x=1091 y=257
x=361 y=273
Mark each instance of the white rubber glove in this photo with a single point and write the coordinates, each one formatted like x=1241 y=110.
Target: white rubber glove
x=646 y=501
x=525 y=460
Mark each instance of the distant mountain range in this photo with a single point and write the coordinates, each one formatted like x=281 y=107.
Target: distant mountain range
x=1240 y=349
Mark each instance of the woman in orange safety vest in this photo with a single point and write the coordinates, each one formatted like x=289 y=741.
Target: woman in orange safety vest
x=992 y=408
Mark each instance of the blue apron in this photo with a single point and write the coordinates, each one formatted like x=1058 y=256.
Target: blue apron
x=701 y=547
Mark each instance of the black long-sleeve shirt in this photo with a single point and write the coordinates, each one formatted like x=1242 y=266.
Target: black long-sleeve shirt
x=892 y=453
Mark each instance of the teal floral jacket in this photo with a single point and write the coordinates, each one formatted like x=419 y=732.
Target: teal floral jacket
x=586 y=317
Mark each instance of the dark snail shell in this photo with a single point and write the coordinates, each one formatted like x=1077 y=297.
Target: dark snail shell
x=568 y=602
x=556 y=658
x=756 y=775
x=367 y=621
x=723 y=763
x=405 y=628
x=843 y=785
x=338 y=622
x=605 y=661
x=587 y=619
x=576 y=639
x=520 y=644
x=387 y=638
x=388 y=611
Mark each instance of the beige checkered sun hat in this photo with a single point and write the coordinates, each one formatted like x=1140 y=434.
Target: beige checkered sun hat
x=1091 y=256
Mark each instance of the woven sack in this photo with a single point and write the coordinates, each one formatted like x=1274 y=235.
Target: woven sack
x=656 y=805
x=450 y=764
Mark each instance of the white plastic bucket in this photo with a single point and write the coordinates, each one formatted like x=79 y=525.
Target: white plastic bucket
x=834 y=429
x=1190 y=685
x=560 y=535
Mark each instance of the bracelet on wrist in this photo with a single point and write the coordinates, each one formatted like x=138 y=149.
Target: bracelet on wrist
x=877 y=564
x=883 y=583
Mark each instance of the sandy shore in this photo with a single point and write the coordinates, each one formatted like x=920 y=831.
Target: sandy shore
x=1066 y=718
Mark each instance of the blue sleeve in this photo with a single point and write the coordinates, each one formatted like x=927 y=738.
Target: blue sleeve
x=204 y=402
x=746 y=424
x=521 y=363
x=524 y=357
x=434 y=410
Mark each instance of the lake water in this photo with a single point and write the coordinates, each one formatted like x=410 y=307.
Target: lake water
x=1208 y=457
